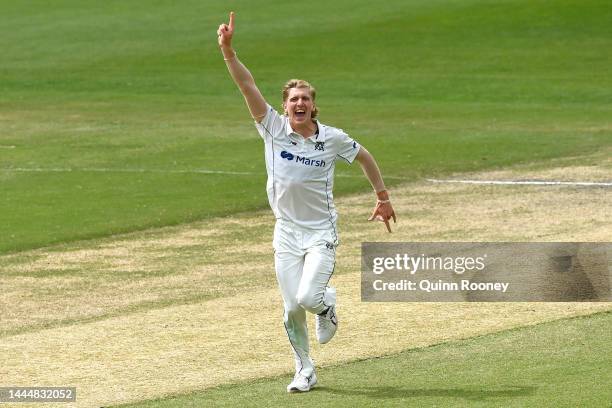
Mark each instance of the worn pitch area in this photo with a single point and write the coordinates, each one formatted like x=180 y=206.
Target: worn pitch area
x=171 y=310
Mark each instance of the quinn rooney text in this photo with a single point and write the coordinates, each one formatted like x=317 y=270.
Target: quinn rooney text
x=440 y=286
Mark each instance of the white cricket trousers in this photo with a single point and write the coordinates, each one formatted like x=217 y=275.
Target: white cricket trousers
x=304 y=262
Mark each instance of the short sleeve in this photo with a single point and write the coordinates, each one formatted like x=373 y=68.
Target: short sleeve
x=271 y=124
x=347 y=147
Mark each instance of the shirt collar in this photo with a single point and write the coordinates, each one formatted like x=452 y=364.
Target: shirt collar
x=320 y=137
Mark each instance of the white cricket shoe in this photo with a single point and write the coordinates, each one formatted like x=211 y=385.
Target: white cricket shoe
x=327 y=325
x=301 y=383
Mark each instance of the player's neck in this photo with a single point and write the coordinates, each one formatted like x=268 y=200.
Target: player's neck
x=306 y=129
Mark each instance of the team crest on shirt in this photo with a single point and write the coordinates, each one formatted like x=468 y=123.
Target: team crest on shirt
x=320 y=146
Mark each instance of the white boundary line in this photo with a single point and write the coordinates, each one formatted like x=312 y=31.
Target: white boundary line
x=108 y=170
x=250 y=173
x=525 y=183
x=192 y=171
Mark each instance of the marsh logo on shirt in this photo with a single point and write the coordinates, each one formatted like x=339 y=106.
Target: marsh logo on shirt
x=286 y=155
x=302 y=160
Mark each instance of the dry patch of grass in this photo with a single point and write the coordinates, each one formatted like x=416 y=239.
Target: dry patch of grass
x=463 y=212
x=190 y=347
x=205 y=260
x=189 y=307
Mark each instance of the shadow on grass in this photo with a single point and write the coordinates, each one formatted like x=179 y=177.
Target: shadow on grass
x=400 y=392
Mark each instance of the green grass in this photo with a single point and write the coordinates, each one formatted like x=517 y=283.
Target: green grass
x=430 y=87
x=565 y=363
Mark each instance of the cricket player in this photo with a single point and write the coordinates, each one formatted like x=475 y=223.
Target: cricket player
x=300 y=155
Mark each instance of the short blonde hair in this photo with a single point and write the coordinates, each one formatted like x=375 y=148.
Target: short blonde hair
x=300 y=83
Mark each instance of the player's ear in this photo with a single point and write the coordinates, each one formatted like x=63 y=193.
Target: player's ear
x=285 y=108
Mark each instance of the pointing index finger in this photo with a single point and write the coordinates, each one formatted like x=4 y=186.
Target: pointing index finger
x=231 y=21
x=388 y=226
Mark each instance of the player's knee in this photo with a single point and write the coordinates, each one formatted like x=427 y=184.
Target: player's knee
x=292 y=310
x=310 y=301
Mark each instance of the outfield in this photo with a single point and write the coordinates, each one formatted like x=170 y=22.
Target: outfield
x=135 y=248
x=445 y=86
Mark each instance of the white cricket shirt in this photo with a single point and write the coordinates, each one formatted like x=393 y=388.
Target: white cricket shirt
x=301 y=171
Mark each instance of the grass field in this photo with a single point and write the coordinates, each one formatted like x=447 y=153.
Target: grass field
x=527 y=367
x=139 y=91
x=135 y=250
x=165 y=311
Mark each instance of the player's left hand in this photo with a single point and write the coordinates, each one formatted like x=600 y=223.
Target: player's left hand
x=383 y=212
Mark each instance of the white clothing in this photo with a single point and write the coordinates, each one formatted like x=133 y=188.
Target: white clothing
x=304 y=261
x=301 y=170
x=300 y=182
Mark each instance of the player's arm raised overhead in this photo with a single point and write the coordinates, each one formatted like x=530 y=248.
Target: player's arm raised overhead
x=240 y=74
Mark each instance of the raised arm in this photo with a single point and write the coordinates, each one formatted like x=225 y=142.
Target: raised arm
x=240 y=74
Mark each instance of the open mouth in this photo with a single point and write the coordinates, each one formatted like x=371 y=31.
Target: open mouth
x=300 y=113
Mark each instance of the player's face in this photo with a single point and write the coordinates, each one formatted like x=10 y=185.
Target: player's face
x=299 y=106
